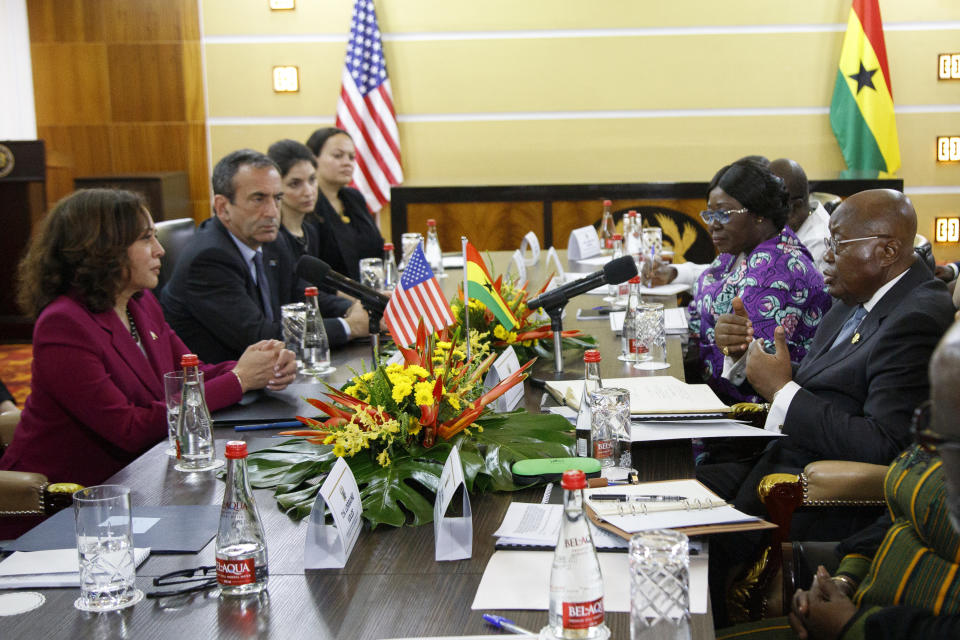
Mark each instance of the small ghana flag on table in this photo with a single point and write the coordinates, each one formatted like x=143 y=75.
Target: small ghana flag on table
x=861 y=112
x=480 y=287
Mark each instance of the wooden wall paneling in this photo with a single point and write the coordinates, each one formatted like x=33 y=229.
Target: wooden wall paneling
x=147 y=146
x=146 y=82
x=150 y=20
x=198 y=170
x=72 y=151
x=194 y=108
x=65 y=20
x=70 y=83
x=490 y=226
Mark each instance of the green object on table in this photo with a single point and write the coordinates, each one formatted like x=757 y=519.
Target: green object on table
x=534 y=470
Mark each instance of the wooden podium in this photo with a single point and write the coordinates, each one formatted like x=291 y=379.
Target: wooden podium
x=22 y=200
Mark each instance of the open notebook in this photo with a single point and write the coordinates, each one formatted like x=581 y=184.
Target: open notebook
x=650 y=397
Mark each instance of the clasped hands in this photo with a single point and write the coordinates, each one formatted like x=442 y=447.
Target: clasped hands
x=822 y=612
x=766 y=372
x=266 y=364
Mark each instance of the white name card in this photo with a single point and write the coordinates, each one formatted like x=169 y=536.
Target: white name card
x=516 y=261
x=584 y=243
x=554 y=258
x=532 y=242
x=453 y=536
x=329 y=546
x=502 y=367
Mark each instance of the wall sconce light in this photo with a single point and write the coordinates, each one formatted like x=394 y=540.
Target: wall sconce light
x=947 y=229
x=948 y=149
x=286 y=79
x=948 y=66
x=282 y=5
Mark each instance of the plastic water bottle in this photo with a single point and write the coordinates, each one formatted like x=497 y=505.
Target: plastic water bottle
x=241 y=547
x=591 y=382
x=576 y=584
x=607 y=227
x=431 y=249
x=391 y=275
x=315 y=353
x=194 y=436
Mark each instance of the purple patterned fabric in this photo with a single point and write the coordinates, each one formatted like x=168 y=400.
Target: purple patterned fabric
x=779 y=285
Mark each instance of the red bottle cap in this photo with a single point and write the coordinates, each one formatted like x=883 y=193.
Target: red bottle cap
x=631 y=213
x=311 y=291
x=236 y=449
x=189 y=360
x=573 y=479
x=618 y=236
x=431 y=222
x=388 y=246
x=635 y=280
x=591 y=355
x=607 y=203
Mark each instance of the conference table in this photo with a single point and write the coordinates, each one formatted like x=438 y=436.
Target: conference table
x=391 y=587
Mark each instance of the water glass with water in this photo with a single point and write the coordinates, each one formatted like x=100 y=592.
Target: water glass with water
x=408 y=244
x=659 y=585
x=371 y=273
x=105 y=548
x=610 y=429
x=292 y=319
x=172 y=388
x=651 y=335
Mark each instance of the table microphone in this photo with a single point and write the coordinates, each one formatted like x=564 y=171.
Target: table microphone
x=614 y=272
x=317 y=272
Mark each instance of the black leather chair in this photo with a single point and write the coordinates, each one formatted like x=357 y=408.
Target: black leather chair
x=174 y=236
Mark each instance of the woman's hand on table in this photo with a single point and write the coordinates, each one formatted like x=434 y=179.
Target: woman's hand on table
x=734 y=331
x=266 y=364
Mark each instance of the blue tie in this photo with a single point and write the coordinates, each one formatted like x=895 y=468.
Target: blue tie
x=851 y=325
x=263 y=285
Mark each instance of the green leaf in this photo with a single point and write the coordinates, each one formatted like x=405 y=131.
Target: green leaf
x=402 y=493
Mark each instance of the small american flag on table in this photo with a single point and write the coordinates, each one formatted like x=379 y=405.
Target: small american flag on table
x=417 y=296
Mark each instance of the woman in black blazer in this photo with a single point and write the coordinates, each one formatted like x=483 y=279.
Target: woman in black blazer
x=346 y=230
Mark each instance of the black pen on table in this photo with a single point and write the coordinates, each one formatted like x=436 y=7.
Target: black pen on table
x=623 y=497
x=289 y=424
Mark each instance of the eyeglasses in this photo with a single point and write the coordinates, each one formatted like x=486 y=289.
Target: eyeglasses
x=198 y=579
x=930 y=441
x=721 y=216
x=832 y=244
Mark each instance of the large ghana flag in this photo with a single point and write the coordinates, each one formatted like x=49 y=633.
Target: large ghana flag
x=480 y=287
x=861 y=112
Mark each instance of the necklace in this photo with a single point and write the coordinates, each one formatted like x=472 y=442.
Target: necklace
x=133 y=327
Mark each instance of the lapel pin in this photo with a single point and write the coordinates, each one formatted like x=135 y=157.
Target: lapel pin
x=153 y=335
x=856 y=338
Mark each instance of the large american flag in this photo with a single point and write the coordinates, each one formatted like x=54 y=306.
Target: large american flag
x=365 y=109
x=417 y=296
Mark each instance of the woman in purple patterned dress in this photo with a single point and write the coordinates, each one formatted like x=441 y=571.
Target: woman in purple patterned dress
x=762 y=263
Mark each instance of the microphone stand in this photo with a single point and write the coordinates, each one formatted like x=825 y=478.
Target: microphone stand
x=556 y=324
x=375 y=317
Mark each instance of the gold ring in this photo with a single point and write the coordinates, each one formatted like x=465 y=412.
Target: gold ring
x=726 y=351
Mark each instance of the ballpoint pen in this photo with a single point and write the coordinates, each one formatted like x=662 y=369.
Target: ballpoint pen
x=621 y=497
x=290 y=424
x=506 y=624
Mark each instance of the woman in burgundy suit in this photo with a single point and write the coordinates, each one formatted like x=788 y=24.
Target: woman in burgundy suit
x=101 y=344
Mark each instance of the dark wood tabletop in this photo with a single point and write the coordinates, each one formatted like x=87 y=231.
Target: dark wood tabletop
x=391 y=587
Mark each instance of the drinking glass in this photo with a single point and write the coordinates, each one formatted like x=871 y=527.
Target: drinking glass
x=610 y=428
x=652 y=336
x=408 y=244
x=293 y=317
x=172 y=388
x=105 y=548
x=371 y=273
x=659 y=585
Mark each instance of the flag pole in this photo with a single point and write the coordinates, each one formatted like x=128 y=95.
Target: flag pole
x=466 y=296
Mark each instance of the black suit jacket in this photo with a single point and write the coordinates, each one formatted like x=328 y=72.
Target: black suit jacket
x=856 y=400
x=212 y=301
x=342 y=245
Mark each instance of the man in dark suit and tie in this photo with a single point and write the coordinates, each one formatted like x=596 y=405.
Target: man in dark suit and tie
x=228 y=286
x=852 y=396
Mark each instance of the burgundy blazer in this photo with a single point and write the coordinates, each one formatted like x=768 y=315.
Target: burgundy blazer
x=96 y=401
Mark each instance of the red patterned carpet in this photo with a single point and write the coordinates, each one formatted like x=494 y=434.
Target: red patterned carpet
x=15 y=369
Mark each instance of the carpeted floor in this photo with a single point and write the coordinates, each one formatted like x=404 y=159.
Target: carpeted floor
x=15 y=369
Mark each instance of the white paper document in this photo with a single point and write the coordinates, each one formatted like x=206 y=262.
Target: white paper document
x=596 y=261
x=652 y=395
x=694 y=493
x=44 y=569
x=452 y=262
x=535 y=524
x=671 y=289
x=652 y=430
x=521 y=580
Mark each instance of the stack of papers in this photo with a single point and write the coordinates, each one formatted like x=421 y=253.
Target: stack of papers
x=650 y=397
x=537 y=526
x=42 y=569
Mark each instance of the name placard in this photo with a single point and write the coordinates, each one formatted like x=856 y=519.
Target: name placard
x=453 y=536
x=584 y=243
x=329 y=546
x=532 y=242
x=501 y=368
